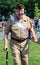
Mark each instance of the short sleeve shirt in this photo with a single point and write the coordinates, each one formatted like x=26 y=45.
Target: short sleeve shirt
x=16 y=31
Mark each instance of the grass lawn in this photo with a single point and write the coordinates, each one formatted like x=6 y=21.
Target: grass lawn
x=3 y=55
x=0 y=29
x=34 y=54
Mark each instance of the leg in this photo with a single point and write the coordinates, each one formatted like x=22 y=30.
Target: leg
x=15 y=54
x=25 y=59
x=25 y=52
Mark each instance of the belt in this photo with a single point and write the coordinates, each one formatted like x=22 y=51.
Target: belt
x=18 y=39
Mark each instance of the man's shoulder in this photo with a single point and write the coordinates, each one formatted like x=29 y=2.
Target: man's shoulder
x=12 y=17
x=25 y=16
x=28 y=21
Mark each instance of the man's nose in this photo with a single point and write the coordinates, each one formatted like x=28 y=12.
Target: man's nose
x=21 y=13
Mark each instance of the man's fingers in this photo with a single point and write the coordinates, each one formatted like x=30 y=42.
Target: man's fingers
x=5 y=49
x=39 y=40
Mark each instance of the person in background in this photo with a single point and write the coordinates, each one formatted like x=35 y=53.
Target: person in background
x=36 y=24
x=39 y=25
x=4 y=23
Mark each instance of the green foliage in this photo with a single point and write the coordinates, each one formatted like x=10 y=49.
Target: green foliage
x=36 y=11
x=7 y=7
x=39 y=4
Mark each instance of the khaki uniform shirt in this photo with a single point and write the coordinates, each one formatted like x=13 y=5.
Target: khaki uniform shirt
x=16 y=31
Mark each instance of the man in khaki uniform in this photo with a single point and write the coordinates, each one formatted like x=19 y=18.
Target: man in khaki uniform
x=19 y=42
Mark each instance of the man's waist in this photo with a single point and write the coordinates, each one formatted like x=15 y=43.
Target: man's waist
x=19 y=40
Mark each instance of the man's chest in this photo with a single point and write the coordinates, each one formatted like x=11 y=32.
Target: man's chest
x=24 y=23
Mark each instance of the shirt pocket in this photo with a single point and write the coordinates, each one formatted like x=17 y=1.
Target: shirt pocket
x=14 y=27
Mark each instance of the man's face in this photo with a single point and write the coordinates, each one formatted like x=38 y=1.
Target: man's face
x=20 y=13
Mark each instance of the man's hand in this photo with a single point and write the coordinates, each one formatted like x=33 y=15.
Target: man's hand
x=39 y=40
x=36 y=40
x=4 y=48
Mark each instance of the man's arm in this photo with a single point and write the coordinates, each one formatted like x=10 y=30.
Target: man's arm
x=34 y=38
x=7 y=30
x=5 y=41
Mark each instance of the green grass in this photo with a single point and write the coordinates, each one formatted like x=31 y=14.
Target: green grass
x=34 y=54
x=0 y=29
x=3 y=55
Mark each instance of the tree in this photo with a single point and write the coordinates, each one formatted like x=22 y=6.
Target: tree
x=7 y=7
x=36 y=10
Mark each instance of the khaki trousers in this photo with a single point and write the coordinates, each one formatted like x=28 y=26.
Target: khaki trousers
x=20 y=52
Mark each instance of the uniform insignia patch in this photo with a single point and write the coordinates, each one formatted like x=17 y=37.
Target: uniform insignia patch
x=24 y=20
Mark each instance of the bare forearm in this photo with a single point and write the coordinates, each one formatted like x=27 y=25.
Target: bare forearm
x=5 y=41
x=34 y=38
